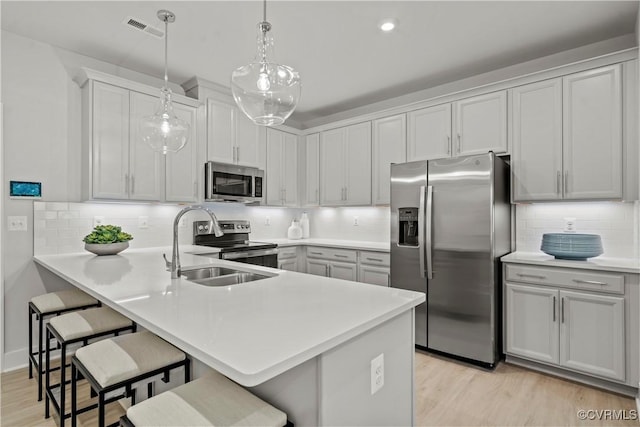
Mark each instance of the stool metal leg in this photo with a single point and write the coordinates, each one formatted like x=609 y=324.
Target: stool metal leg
x=63 y=380
x=74 y=393
x=30 y=347
x=101 y=421
x=47 y=373
x=40 y=325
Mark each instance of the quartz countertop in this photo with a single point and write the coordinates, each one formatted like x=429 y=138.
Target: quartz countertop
x=333 y=243
x=250 y=332
x=624 y=265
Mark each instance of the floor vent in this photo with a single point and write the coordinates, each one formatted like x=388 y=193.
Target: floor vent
x=140 y=25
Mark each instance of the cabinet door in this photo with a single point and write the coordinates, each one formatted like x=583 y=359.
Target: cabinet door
x=332 y=165
x=110 y=142
x=247 y=140
x=592 y=334
x=273 y=174
x=289 y=169
x=536 y=153
x=389 y=146
x=373 y=275
x=343 y=270
x=429 y=133
x=312 y=171
x=288 y=264
x=532 y=322
x=220 y=132
x=481 y=124
x=592 y=154
x=145 y=165
x=182 y=169
x=317 y=267
x=358 y=164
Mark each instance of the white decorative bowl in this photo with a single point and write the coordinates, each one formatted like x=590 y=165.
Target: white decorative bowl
x=106 y=248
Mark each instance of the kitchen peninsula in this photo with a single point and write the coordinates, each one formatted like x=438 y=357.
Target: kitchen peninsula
x=303 y=343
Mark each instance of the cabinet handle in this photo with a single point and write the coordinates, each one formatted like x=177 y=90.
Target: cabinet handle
x=235 y=157
x=562 y=305
x=315 y=253
x=340 y=256
x=558 y=185
x=589 y=282
x=535 y=276
x=126 y=182
x=346 y=195
x=388 y=280
x=238 y=154
x=448 y=144
x=459 y=143
x=133 y=184
x=374 y=259
x=554 y=309
x=326 y=270
x=566 y=182
x=317 y=196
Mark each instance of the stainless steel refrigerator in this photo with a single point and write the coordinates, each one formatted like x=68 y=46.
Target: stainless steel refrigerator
x=450 y=223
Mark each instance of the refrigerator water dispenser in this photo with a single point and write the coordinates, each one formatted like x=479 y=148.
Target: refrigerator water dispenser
x=408 y=226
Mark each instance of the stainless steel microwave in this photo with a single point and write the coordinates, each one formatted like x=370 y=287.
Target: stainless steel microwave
x=232 y=183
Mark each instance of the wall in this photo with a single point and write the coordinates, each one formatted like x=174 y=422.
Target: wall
x=338 y=223
x=616 y=223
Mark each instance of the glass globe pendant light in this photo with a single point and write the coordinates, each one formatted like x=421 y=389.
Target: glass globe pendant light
x=265 y=91
x=164 y=131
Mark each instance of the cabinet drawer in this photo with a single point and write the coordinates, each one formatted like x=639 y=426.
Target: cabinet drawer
x=374 y=258
x=290 y=252
x=330 y=253
x=567 y=277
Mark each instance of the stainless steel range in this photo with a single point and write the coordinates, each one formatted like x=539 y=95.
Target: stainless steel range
x=235 y=244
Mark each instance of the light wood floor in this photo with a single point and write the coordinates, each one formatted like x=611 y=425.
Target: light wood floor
x=448 y=394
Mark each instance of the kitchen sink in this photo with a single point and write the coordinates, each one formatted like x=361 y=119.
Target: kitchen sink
x=222 y=276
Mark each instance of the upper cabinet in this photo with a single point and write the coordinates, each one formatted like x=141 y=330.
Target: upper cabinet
x=117 y=164
x=345 y=166
x=311 y=172
x=470 y=126
x=388 y=146
x=282 y=168
x=231 y=136
x=567 y=137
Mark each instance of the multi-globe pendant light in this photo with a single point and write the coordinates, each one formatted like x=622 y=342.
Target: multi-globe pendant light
x=266 y=92
x=164 y=131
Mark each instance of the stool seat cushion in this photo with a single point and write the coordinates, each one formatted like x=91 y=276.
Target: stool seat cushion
x=212 y=400
x=62 y=300
x=84 y=323
x=121 y=358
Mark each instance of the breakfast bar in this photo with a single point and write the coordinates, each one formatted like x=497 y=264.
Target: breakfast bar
x=306 y=344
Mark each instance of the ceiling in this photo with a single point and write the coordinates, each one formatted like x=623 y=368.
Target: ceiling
x=344 y=60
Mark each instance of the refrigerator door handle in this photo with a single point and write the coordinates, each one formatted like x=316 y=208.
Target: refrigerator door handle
x=429 y=228
x=421 y=224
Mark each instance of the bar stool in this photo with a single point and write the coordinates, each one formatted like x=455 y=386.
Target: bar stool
x=71 y=328
x=122 y=363
x=212 y=400
x=47 y=305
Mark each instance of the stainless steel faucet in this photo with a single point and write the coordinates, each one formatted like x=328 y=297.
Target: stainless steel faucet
x=174 y=266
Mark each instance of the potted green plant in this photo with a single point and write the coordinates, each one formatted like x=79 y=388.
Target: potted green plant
x=106 y=240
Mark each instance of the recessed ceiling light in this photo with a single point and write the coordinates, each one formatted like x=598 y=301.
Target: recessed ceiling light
x=388 y=25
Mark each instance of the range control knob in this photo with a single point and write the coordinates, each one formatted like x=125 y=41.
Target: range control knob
x=200 y=228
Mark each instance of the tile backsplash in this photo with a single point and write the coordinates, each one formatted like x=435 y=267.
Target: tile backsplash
x=616 y=223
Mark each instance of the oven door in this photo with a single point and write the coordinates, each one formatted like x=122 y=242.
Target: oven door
x=263 y=257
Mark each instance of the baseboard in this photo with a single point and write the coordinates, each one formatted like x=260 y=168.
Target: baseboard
x=17 y=359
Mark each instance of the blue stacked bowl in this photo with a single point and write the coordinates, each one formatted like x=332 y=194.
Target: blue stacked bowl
x=573 y=246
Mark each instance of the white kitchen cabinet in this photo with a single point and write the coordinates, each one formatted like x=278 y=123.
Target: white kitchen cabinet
x=429 y=133
x=182 y=168
x=311 y=196
x=288 y=264
x=567 y=138
x=388 y=146
x=123 y=167
x=374 y=275
x=481 y=124
x=592 y=137
x=345 y=166
x=282 y=168
x=231 y=136
x=330 y=262
x=318 y=267
x=288 y=258
x=572 y=319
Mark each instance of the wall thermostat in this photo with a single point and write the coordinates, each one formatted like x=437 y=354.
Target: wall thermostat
x=25 y=189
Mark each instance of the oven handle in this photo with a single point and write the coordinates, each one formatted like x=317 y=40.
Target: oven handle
x=249 y=254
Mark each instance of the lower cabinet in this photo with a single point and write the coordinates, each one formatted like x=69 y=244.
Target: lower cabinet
x=330 y=262
x=583 y=329
x=288 y=258
x=373 y=268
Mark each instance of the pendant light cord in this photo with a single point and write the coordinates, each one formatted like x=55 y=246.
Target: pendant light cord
x=166 y=50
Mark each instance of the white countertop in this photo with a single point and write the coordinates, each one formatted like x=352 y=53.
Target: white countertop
x=333 y=243
x=624 y=265
x=250 y=332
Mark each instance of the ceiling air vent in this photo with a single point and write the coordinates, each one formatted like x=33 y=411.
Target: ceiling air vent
x=140 y=25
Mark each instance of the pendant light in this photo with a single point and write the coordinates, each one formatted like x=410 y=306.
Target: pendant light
x=265 y=91
x=164 y=131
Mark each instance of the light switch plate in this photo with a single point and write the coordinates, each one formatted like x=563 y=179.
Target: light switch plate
x=17 y=223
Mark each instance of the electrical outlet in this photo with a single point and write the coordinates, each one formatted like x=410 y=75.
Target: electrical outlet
x=17 y=223
x=355 y=221
x=98 y=220
x=377 y=373
x=267 y=221
x=143 y=222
